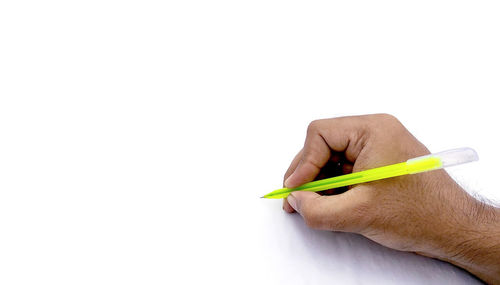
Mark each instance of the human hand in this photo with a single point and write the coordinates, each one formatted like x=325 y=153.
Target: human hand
x=426 y=213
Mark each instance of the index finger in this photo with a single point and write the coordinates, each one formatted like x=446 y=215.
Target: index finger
x=323 y=136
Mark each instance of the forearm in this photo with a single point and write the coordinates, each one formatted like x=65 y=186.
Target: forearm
x=474 y=242
x=478 y=251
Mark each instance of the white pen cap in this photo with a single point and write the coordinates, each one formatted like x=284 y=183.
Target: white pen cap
x=453 y=156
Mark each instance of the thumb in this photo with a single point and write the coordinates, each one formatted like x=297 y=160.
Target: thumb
x=336 y=212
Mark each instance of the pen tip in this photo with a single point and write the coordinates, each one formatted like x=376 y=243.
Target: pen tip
x=262 y=197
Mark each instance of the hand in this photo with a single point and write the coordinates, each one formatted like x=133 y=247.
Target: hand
x=426 y=213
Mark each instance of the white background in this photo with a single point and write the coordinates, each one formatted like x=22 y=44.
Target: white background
x=137 y=136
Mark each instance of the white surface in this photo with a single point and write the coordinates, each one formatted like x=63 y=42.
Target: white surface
x=137 y=136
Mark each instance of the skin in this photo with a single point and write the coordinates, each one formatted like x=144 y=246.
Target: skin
x=426 y=213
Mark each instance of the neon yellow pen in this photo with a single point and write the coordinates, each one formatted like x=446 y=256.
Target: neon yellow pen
x=411 y=166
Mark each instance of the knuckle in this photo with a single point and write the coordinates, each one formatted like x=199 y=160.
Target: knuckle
x=381 y=123
x=388 y=117
x=312 y=127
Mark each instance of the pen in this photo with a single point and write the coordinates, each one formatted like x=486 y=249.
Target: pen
x=411 y=166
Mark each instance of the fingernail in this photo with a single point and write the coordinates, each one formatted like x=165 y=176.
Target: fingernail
x=287 y=181
x=292 y=201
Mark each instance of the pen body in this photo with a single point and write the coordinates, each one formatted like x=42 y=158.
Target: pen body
x=410 y=167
